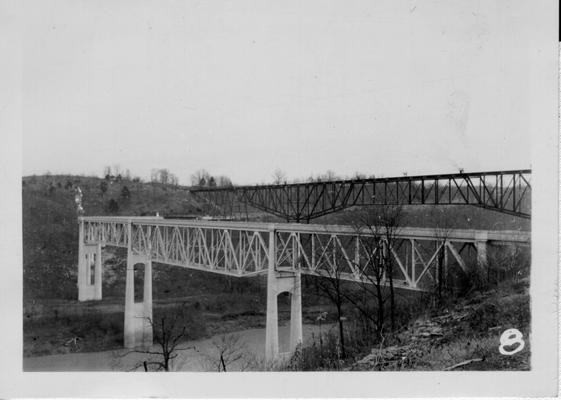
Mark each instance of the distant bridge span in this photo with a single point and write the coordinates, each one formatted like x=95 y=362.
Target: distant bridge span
x=282 y=251
x=503 y=191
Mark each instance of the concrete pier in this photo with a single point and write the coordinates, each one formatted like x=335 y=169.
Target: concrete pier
x=89 y=256
x=481 y=239
x=138 y=316
x=278 y=282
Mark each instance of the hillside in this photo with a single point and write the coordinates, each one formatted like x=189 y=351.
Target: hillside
x=50 y=231
x=216 y=303
x=462 y=336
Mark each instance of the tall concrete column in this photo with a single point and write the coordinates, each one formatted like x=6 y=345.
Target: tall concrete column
x=138 y=316
x=279 y=282
x=98 y=273
x=272 y=328
x=86 y=253
x=481 y=247
x=129 y=337
x=81 y=262
x=147 y=331
x=296 y=313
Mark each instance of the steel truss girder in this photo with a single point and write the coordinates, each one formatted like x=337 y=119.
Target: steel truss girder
x=508 y=192
x=242 y=249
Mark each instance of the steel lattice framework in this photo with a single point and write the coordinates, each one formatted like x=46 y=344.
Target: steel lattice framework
x=245 y=249
x=503 y=191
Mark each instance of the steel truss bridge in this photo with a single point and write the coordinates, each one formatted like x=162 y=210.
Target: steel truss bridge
x=503 y=191
x=281 y=251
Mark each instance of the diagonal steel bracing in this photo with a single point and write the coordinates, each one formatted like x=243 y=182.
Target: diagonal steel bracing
x=243 y=248
x=503 y=191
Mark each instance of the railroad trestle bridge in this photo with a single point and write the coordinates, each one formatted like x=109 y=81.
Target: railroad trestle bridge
x=282 y=251
x=508 y=192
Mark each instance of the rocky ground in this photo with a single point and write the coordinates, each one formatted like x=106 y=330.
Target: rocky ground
x=464 y=337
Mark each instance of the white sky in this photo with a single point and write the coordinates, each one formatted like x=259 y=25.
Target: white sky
x=247 y=86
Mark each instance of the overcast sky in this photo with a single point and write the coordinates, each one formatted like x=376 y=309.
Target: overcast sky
x=242 y=88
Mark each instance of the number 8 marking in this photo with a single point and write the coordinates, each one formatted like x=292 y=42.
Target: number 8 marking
x=511 y=337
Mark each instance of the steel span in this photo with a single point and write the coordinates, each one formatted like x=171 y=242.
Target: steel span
x=282 y=251
x=503 y=191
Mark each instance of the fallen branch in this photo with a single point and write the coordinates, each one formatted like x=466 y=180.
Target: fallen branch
x=463 y=363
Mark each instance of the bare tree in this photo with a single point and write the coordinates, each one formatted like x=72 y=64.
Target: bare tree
x=163 y=176
x=223 y=181
x=173 y=180
x=443 y=230
x=103 y=188
x=331 y=286
x=376 y=228
x=169 y=331
x=279 y=176
x=200 y=178
x=390 y=219
x=154 y=173
x=106 y=171
x=116 y=169
x=329 y=175
x=372 y=270
x=229 y=351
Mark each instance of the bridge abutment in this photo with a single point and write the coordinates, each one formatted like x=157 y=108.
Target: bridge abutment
x=89 y=256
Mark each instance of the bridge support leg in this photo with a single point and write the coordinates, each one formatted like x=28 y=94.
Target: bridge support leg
x=138 y=316
x=481 y=247
x=89 y=285
x=277 y=283
x=98 y=273
x=296 y=313
x=271 y=328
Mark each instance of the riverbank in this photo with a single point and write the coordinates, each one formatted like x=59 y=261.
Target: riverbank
x=200 y=355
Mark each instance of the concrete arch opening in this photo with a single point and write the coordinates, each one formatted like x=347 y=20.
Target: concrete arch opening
x=139 y=272
x=283 y=305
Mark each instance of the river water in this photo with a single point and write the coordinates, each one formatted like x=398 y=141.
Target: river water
x=202 y=355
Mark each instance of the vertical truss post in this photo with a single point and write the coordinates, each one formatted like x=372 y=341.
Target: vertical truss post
x=413 y=277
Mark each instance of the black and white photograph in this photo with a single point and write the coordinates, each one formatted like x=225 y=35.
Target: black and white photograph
x=363 y=192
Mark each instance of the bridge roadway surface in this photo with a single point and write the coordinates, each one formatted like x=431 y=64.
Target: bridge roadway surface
x=503 y=191
x=282 y=251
